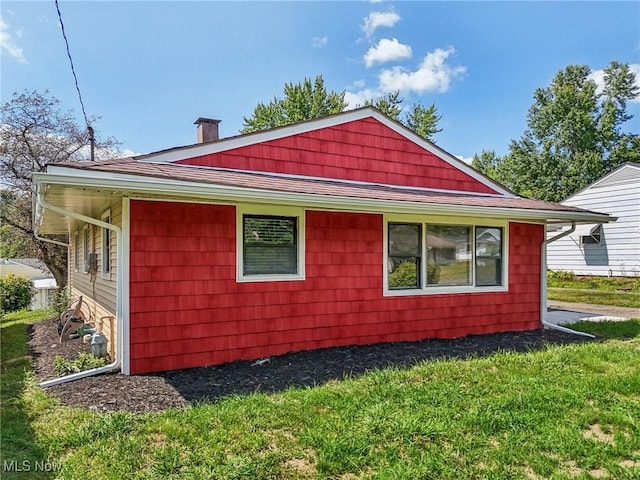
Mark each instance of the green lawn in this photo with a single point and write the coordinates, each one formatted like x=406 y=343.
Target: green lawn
x=562 y=412
x=615 y=291
x=595 y=297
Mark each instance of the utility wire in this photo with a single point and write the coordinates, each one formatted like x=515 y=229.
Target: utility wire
x=73 y=71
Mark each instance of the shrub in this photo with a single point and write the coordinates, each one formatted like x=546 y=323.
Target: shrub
x=84 y=361
x=562 y=275
x=15 y=293
x=405 y=275
x=433 y=273
x=60 y=302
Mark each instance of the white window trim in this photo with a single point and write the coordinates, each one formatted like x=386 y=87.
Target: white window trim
x=445 y=289
x=105 y=217
x=273 y=210
x=86 y=240
x=76 y=251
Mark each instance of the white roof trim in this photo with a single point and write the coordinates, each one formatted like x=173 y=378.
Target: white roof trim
x=196 y=150
x=605 y=177
x=137 y=184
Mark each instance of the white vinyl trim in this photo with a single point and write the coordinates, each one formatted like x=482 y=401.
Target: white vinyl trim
x=154 y=186
x=273 y=210
x=425 y=289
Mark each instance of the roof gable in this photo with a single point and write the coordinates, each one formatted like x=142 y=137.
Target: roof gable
x=358 y=145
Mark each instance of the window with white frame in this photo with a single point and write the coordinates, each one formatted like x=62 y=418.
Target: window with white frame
x=270 y=243
x=452 y=256
x=106 y=245
x=85 y=247
x=76 y=251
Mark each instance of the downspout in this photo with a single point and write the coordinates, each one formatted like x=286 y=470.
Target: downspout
x=119 y=317
x=543 y=284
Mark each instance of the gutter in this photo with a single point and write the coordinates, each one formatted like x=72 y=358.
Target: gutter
x=543 y=284
x=154 y=186
x=117 y=362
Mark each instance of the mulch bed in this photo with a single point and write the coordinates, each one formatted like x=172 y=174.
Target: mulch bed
x=181 y=388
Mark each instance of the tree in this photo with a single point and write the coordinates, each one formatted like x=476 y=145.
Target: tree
x=306 y=101
x=574 y=134
x=486 y=162
x=301 y=101
x=33 y=133
x=422 y=120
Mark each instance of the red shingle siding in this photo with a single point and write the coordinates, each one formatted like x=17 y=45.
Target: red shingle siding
x=187 y=310
x=363 y=150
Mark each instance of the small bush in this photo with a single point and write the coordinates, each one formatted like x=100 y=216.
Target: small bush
x=405 y=275
x=433 y=273
x=562 y=275
x=15 y=293
x=60 y=302
x=84 y=361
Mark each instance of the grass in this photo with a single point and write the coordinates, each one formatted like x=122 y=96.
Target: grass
x=595 y=297
x=17 y=436
x=561 y=412
x=614 y=291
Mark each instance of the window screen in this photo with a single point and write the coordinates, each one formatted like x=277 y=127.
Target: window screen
x=270 y=245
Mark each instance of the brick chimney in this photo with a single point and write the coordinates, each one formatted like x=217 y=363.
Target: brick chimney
x=207 y=129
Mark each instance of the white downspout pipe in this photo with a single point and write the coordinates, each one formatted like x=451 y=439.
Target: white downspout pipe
x=543 y=283
x=117 y=362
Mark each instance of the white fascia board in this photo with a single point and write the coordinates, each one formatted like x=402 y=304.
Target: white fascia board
x=197 y=150
x=134 y=184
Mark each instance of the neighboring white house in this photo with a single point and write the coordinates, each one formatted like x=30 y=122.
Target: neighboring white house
x=36 y=271
x=611 y=249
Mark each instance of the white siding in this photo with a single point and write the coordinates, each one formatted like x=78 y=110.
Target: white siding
x=98 y=291
x=619 y=251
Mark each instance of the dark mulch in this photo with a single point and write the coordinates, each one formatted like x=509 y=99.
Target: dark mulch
x=142 y=393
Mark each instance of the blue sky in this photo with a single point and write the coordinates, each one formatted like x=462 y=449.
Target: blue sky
x=149 y=69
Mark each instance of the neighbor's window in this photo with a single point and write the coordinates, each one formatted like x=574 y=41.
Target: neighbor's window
x=269 y=245
x=488 y=256
x=449 y=254
x=106 y=245
x=594 y=237
x=405 y=253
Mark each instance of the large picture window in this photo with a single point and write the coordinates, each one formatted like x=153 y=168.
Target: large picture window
x=444 y=257
x=269 y=245
x=449 y=254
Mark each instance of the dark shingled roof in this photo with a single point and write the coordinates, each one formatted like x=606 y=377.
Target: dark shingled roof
x=312 y=186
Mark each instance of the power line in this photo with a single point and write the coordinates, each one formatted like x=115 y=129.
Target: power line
x=73 y=71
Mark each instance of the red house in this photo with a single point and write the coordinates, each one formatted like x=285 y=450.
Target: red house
x=349 y=229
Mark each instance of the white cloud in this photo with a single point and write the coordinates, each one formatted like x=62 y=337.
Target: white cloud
x=432 y=75
x=358 y=99
x=379 y=19
x=386 y=51
x=598 y=77
x=319 y=41
x=466 y=160
x=8 y=44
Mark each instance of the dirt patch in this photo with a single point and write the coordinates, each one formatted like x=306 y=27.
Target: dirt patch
x=180 y=388
x=594 y=432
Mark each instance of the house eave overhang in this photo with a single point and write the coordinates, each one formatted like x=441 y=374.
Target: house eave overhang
x=150 y=187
